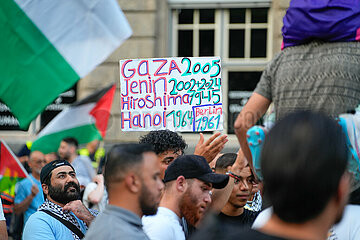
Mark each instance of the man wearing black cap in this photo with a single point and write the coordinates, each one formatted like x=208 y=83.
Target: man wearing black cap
x=62 y=215
x=188 y=183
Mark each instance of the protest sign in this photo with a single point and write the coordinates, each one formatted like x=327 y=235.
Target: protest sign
x=179 y=94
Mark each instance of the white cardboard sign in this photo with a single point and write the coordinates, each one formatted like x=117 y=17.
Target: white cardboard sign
x=179 y=94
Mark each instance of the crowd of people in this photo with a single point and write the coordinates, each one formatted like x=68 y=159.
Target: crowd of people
x=152 y=190
x=148 y=193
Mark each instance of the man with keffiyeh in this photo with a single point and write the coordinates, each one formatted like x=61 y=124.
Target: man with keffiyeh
x=62 y=215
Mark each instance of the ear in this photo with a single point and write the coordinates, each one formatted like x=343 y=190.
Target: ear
x=45 y=188
x=73 y=149
x=181 y=184
x=132 y=183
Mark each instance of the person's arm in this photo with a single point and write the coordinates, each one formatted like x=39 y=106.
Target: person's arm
x=96 y=195
x=211 y=147
x=24 y=205
x=79 y=209
x=254 y=109
x=3 y=230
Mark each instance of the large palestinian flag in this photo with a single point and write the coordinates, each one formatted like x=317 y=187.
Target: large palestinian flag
x=85 y=120
x=11 y=170
x=46 y=46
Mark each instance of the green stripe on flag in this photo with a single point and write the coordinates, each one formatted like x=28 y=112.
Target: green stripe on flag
x=33 y=73
x=7 y=182
x=50 y=143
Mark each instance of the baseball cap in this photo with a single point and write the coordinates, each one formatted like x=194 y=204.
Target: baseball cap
x=194 y=166
x=48 y=168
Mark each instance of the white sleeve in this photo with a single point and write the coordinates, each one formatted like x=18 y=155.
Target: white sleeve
x=157 y=230
x=89 y=188
x=2 y=217
x=262 y=218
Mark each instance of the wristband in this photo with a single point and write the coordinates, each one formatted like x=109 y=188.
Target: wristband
x=233 y=175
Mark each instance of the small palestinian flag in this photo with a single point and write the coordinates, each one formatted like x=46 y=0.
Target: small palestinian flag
x=11 y=170
x=85 y=120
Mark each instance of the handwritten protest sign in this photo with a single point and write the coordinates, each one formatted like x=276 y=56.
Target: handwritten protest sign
x=180 y=94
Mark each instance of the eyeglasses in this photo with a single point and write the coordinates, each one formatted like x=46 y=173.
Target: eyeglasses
x=38 y=162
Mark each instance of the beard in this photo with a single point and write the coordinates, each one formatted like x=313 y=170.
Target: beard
x=148 y=202
x=189 y=208
x=65 y=156
x=63 y=196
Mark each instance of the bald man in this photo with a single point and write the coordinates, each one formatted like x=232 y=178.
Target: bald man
x=29 y=195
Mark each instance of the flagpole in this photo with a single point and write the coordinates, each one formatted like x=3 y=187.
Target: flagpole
x=17 y=160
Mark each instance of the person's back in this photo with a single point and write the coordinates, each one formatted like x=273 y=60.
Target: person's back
x=319 y=76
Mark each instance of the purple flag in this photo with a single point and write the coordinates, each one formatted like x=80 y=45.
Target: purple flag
x=327 y=20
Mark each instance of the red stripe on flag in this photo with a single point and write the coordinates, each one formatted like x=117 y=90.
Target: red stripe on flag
x=9 y=167
x=101 y=111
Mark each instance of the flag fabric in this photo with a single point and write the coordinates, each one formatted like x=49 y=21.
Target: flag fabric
x=47 y=46
x=326 y=20
x=11 y=170
x=85 y=120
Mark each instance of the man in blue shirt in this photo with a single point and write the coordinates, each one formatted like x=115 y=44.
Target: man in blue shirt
x=29 y=194
x=61 y=206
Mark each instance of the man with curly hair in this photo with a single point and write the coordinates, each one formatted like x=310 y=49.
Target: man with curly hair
x=169 y=145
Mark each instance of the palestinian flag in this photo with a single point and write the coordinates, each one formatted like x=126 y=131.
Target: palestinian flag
x=11 y=170
x=85 y=120
x=48 y=45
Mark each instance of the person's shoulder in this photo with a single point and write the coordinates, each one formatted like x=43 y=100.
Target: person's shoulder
x=163 y=216
x=83 y=158
x=41 y=216
x=38 y=222
x=234 y=232
x=119 y=225
x=162 y=226
x=247 y=233
x=25 y=183
x=154 y=220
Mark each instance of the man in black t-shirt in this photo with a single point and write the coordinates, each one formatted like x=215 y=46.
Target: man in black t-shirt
x=303 y=163
x=234 y=212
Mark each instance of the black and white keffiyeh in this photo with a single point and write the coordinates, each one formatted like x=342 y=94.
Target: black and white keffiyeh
x=66 y=215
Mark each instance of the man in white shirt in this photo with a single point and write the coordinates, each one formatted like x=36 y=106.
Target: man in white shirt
x=188 y=183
